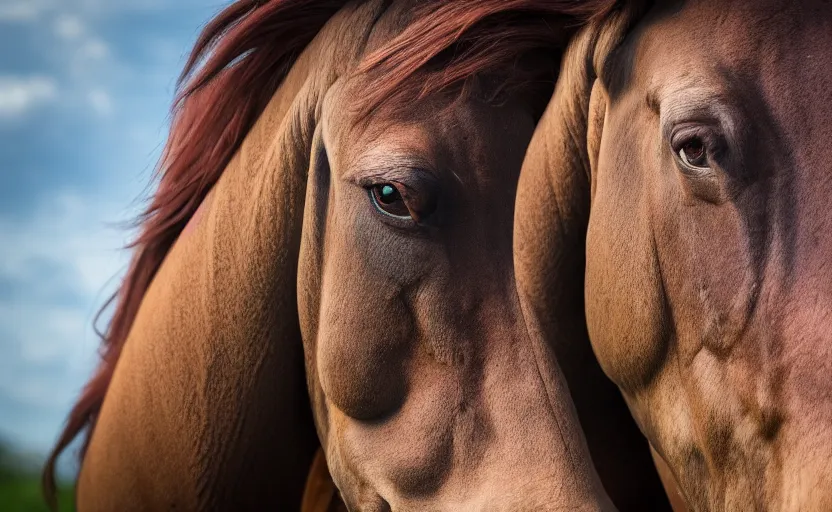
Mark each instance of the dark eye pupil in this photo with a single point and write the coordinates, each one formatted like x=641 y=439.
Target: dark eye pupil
x=387 y=198
x=694 y=151
x=388 y=194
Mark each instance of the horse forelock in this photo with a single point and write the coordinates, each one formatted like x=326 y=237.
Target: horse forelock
x=474 y=37
x=236 y=66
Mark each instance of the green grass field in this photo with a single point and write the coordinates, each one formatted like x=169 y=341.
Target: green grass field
x=20 y=489
x=21 y=493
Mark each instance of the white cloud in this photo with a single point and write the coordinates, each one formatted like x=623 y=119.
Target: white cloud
x=22 y=10
x=71 y=232
x=126 y=6
x=94 y=49
x=47 y=344
x=101 y=102
x=60 y=256
x=19 y=95
x=26 y=11
x=69 y=27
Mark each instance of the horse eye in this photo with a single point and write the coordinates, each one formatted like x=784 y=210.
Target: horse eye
x=387 y=199
x=693 y=153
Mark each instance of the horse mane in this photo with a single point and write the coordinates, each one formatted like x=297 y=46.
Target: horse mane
x=475 y=37
x=237 y=64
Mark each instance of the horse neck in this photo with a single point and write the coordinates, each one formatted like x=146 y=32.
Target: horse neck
x=210 y=378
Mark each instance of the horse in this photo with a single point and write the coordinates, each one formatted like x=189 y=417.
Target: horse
x=327 y=261
x=687 y=146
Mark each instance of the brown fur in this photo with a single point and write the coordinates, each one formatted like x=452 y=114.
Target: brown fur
x=705 y=290
x=214 y=110
x=218 y=103
x=426 y=388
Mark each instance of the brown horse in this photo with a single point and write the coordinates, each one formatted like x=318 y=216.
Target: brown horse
x=339 y=184
x=689 y=143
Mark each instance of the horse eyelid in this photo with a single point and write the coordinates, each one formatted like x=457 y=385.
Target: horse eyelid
x=699 y=170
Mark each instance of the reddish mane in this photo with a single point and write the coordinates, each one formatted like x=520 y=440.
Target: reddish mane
x=236 y=66
x=482 y=35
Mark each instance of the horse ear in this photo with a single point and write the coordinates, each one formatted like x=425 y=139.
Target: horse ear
x=207 y=408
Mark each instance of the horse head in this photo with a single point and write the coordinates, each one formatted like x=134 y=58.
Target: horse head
x=687 y=142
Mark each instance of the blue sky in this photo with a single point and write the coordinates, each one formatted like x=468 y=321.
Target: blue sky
x=85 y=87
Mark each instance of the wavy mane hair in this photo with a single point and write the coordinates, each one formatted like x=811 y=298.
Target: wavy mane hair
x=236 y=66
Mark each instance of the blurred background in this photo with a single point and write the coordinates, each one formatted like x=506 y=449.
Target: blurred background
x=85 y=90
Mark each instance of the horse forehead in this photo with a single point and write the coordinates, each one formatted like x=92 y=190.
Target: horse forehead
x=729 y=30
x=476 y=146
x=338 y=114
x=725 y=15
x=712 y=48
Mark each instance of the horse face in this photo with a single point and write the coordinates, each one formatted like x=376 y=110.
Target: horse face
x=387 y=260
x=708 y=288
x=424 y=383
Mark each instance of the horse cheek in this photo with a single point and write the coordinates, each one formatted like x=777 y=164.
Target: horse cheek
x=625 y=303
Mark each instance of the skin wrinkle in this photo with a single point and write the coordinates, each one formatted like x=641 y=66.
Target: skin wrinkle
x=204 y=477
x=213 y=387
x=687 y=396
x=392 y=492
x=547 y=387
x=297 y=132
x=739 y=417
x=171 y=450
x=560 y=262
x=528 y=319
x=650 y=377
x=313 y=298
x=320 y=168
